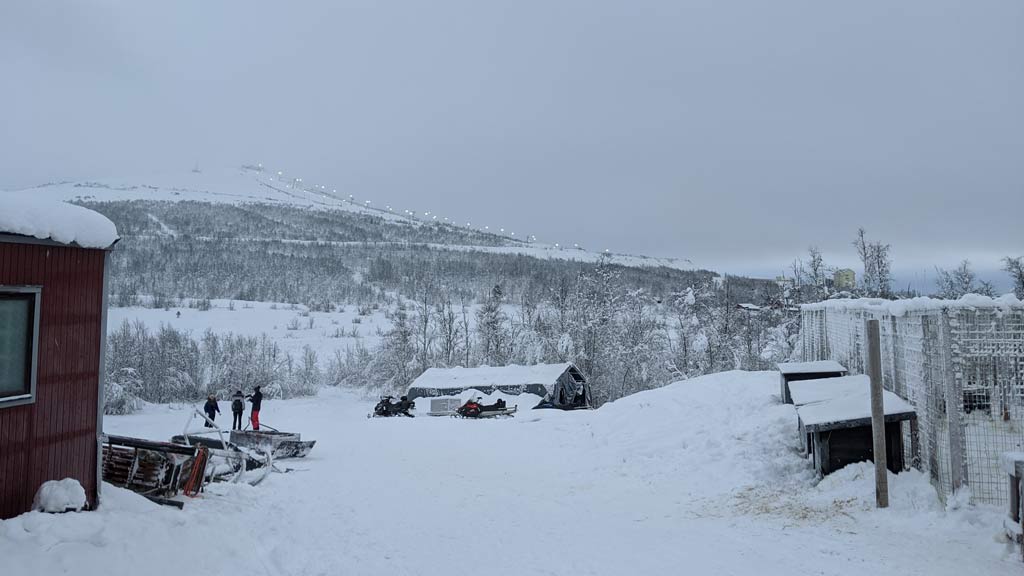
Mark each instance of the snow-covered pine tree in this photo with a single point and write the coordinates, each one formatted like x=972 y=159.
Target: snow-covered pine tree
x=492 y=330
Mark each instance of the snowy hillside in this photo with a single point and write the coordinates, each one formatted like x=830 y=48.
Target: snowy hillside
x=254 y=184
x=292 y=328
x=700 y=477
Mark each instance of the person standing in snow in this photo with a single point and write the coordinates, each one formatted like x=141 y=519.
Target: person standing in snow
x=404 y=405
x=257 y=400
x=211 y=410
x=237 y=408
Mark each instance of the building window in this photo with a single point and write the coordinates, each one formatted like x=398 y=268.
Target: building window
x=19 y=330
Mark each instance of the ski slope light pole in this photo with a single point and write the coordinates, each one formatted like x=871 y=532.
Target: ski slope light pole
x=877 y=414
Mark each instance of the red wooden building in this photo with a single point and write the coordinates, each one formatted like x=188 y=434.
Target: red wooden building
x=52 y=330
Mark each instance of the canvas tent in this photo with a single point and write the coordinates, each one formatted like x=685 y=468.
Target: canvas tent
x=561 y=385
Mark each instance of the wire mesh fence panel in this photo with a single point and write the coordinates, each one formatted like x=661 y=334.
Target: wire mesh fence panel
x=989 y=347
x=960 y=363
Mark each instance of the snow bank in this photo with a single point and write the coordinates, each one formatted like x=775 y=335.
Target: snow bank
x=881 y=307
x=60 y=496
x=58 y=221
x=854 y=486
x=129 y=535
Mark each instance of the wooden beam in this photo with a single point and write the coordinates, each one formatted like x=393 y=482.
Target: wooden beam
x=877 y=414
x=858 y=422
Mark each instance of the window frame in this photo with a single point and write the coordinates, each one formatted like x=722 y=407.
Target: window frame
x=34 y=294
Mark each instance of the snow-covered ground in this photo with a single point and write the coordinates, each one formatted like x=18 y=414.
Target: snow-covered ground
x=701 y=477
x=287 y=325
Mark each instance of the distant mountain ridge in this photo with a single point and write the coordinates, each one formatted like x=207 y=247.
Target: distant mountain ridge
x=251 y=184
x=248 y=234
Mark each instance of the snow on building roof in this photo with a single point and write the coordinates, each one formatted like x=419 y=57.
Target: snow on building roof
x=849 y=408
x=514 y=375
x=822 y=389
x=881 y=307
x=58 y=221
x=810 y=367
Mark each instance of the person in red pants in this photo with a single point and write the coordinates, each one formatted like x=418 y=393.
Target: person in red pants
x=257 y=400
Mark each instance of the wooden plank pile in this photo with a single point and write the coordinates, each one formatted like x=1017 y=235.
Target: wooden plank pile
x=156 y=470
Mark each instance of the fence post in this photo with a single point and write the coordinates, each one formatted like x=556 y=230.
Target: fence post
x=874 y=345
x=898 y=385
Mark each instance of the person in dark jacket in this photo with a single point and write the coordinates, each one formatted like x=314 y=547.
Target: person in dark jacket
x=257 y=400
x=404 y=404
x=237 y=408
x=211 y=410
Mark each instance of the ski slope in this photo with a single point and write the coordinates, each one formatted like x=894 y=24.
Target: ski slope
x=255 y=185
x=701 y=477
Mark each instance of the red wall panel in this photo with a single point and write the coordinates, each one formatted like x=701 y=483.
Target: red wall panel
x=55 y=437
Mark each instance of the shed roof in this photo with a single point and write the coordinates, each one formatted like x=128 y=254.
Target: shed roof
x=810 y=367
x=852 y=409
x=514 y=375
x=57 y=221
x=821 y=389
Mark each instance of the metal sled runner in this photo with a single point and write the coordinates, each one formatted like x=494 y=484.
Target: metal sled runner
x=280 y=444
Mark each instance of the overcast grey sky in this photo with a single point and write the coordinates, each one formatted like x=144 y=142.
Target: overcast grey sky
x=731 y=133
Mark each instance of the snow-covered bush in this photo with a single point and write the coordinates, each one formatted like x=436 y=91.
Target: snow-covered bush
x=305 y=378
x=170 y=366
x=120 y=392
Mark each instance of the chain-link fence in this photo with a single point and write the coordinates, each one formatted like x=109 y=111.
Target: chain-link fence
x=961 y=363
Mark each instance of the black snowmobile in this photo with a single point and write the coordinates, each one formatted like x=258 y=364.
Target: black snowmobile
x=387 y=407
x=474 y=409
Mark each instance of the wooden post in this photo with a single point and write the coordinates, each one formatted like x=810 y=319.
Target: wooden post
x=874 y=342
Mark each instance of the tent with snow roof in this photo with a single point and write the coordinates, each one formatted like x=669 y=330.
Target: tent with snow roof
x=561 y=385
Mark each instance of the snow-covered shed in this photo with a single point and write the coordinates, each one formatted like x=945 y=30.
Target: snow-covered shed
x=561 y=385
x=835 y=421
x=52 y=325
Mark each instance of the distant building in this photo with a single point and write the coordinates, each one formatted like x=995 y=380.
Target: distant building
x=844 y=279
x=563 y=385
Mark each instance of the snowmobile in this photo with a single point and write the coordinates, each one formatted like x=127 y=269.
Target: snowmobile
x=475 y=409
x=387 y=407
